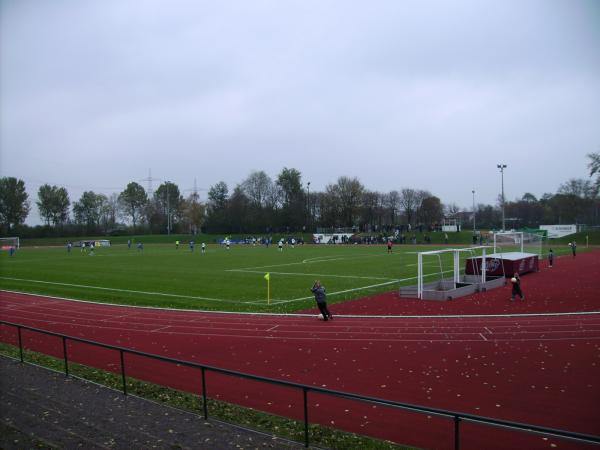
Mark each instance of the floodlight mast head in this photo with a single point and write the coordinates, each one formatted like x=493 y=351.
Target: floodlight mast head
x=502 y=167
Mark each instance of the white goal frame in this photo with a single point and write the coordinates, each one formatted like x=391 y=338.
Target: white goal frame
x=10 y=241
x=520 y=241
x=456 y=264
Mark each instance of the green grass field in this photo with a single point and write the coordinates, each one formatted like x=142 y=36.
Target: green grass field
x=224 y=280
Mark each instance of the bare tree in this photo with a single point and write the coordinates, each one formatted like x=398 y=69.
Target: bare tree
x=256 y=188
x=408 y=203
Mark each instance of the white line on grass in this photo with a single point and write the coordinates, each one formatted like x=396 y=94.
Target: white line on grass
x=319 y=259
x=298 y=274
x=310 y=261
x=345 y=291
x=160 y=294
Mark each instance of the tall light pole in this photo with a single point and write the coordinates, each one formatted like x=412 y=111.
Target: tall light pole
x=308 y=204
x=168 y=210
x=473 y=191
x=502 y=167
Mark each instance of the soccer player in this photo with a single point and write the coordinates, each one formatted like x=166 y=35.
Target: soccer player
x=92 y=246
x=140 y=246
x=191 y=246
x=128 y=243
x=389 y=246
x=203 y=246
x=321 y=298
x=516 y=287
x=280 y=245
x=293 y=243
x=69 y=245
x=176 y=244
x=227 y=243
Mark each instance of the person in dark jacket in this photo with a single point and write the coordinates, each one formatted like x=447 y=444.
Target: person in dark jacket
x=321 y=299
x=550 y=258
x=516 y=287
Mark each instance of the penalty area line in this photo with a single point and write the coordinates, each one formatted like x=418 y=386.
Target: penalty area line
x=299 y=274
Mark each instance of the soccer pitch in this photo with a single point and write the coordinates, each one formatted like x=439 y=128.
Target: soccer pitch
x=220 y=279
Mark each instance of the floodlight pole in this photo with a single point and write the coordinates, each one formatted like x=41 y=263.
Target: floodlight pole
x=473 y=191
x=168 y=211
x=308 y=204
x=502 y=167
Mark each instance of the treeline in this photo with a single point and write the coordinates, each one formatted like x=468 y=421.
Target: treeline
x=260 y=204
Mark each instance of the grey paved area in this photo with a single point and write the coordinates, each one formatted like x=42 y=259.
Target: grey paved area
x=44 y=409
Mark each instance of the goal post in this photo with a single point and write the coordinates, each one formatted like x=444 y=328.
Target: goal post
x=8 y=242
x=442 y=263
x=518 y=241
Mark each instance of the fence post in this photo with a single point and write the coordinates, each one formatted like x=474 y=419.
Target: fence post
x=123 y=372
x=64 y=339
x=305 y=392
x=204 y=404
x=20 y=343
x=456 y=433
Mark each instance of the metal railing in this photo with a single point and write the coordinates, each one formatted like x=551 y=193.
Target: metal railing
x=456 y=417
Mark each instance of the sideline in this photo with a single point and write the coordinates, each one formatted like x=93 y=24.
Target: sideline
x=161 y=294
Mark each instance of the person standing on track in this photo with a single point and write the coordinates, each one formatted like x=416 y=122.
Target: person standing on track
x=550 y=258
x=516 y=287
x=573 y=248
x=321 y=298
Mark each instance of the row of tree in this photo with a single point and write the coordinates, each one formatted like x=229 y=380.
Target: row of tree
x=260 y=204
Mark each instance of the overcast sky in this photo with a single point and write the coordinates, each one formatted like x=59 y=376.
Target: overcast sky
x=423 y=94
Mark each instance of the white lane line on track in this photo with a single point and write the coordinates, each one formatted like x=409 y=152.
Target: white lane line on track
x=488 y=330
x=299 y=315
x=284 y=333
x=321 y=338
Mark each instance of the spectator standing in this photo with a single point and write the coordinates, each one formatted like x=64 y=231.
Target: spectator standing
x=321 y=298
x=516 y=287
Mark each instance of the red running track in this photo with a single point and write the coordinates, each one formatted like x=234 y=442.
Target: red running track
x=542 y=369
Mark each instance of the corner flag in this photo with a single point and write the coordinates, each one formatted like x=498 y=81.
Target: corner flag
x=268 y=278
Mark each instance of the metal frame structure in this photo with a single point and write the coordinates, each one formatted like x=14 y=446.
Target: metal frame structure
x=456 y=417
x=11 y=239
x=456 y=264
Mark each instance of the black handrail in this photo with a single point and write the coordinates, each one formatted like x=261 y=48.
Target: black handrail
x=457 y=417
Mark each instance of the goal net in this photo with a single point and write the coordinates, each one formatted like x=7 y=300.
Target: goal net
x=518 y=241
x=8 y=242
x=445 y=271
